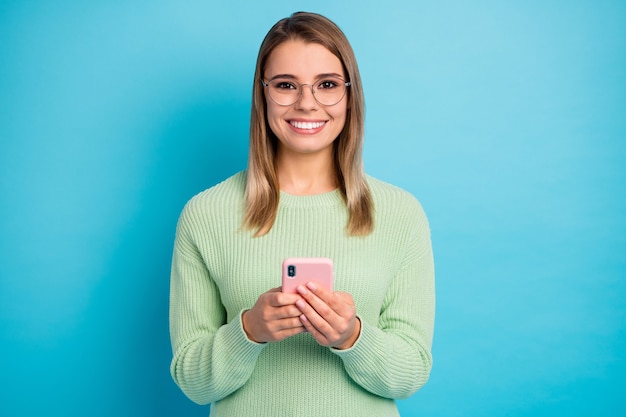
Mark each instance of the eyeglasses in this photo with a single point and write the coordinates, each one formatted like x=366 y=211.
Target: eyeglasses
x=327 y=91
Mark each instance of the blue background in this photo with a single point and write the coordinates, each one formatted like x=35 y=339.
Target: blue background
x=506 y=119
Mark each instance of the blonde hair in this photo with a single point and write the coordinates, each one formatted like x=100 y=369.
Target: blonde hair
x=262 y=188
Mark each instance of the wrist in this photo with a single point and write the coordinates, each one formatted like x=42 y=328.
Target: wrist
x=245 y=327
x=353 y=337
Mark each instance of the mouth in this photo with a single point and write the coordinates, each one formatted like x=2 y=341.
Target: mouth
x=307 y=126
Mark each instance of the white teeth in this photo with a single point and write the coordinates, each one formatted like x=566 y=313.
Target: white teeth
x=307 y=125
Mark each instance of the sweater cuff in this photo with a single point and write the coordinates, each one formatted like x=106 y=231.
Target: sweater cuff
x=235 y=337
x=239 y=321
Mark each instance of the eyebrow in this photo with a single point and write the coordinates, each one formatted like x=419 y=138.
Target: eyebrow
x=324 y=75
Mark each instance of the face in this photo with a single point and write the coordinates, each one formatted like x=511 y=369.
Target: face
x=305 y=127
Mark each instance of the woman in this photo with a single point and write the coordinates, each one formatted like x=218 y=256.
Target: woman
x=239 y=342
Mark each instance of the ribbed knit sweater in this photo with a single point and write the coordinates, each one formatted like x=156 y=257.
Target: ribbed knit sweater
x=219 y=270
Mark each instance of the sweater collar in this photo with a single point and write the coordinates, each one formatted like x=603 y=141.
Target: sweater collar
x=329 y=199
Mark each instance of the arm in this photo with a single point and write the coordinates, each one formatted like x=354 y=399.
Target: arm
x=211 y=359
x=392 y=358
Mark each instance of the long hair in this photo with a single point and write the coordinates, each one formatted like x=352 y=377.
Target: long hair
x=262 y=188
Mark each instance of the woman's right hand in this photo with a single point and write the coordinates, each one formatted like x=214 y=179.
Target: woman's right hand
x=273 y=317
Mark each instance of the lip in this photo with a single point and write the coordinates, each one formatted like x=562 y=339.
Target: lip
x=307 y=127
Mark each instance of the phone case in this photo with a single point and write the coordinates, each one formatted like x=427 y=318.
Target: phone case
x=299 y=271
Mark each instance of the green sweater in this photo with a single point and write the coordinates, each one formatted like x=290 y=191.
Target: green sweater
x=219 y=270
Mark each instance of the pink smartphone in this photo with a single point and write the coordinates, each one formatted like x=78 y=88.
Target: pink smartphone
x=299 y=271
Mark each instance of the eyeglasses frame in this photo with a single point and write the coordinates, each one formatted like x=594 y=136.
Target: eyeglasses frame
x=300 y=89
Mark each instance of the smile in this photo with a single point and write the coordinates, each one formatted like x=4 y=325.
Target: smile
x=307 y=125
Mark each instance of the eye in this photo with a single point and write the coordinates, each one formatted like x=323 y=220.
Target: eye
x=327 y=84
x=283 y=85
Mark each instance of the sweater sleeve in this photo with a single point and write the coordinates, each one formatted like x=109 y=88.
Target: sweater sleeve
x=392 y=358
x=211 y=358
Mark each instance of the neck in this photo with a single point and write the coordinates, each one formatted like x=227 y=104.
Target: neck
x=306 y=174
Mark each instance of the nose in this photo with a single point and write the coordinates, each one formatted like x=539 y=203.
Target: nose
x=307 y=100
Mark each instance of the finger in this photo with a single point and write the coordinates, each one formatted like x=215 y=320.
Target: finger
x=284 y=334
x=286 y=324
x=289 y=311
x=285 y=330
x=314 y=318
x=276 y=314
x=341 y=303
x=337 y=301
x=280 y=299
x=320 y=305
x=320 y=291
x=317 y=335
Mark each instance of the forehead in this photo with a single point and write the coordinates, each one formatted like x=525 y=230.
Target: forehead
x=303 y=60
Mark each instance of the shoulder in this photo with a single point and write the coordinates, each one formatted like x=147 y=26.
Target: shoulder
x=399 y=214
x=396 y=210
x=232 y=188
x=221 y=199
x=388 y=197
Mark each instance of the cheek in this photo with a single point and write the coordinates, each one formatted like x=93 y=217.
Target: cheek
x=340 y=114
x=272 y=114
x=276 y=122
x=273 y=119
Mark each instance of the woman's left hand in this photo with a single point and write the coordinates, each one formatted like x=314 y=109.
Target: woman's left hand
x=329 y=316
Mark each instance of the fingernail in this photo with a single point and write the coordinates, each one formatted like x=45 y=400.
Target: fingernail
x=300 y=304
x=311 y=286
x=302 y=290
